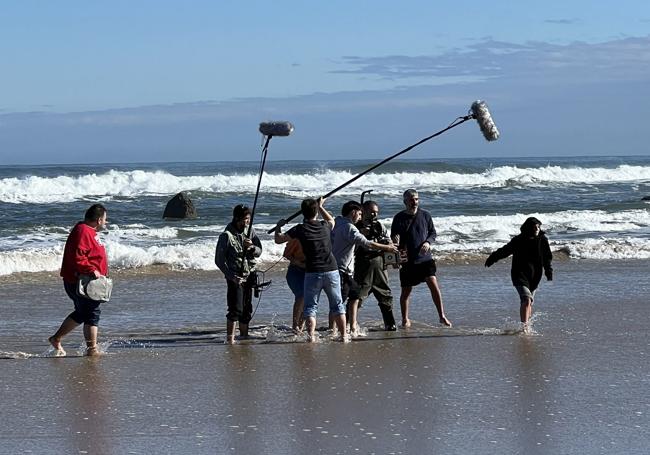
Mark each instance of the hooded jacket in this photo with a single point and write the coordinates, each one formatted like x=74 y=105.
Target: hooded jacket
x=530 y=257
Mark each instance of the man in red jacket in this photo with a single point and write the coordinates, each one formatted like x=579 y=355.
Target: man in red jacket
x=83 y=255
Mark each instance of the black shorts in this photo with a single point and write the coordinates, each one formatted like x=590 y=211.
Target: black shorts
x=349 y=288
x=413 y=274
x=86 y=311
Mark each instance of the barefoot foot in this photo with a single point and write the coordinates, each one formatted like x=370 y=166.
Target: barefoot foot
x=444 y=321
x=56 y=344
x=406 y=323
x=92 y=351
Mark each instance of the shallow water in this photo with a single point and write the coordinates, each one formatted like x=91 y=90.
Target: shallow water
x=168 y=384
x=592 y=207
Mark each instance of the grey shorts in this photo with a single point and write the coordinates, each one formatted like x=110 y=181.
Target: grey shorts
x=525 y=293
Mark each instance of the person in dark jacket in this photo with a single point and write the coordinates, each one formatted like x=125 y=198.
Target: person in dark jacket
x=531 y=256
x=413 y=231
x=235 y=256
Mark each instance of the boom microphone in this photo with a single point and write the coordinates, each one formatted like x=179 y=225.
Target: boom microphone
x=276 y=128
x=268 y=129
x=482 y=115
x=478 y=111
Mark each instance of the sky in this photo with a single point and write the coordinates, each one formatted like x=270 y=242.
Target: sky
x=149 y=81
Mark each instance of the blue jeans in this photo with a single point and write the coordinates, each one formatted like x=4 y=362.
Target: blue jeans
x=329 y=282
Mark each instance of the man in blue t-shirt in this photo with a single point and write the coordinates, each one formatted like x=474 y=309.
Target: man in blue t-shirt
x=321 y=270
x=413 y=231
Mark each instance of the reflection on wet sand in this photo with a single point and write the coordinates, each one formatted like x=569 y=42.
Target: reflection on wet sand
x=85 y=399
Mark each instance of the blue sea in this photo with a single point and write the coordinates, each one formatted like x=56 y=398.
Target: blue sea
x=592 y=208
x=166 y=383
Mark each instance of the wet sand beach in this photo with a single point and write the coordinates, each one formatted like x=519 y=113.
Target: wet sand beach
x=168 y=384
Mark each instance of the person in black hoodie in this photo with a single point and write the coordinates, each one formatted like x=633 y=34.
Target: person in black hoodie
x=531 y=255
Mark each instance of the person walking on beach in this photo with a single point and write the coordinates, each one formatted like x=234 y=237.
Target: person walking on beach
x=531 y=255
x=296 y=280
x=321 y=271
x=235 y=257
x=413 y=231
x=345 y=239
x=370 y=270
x=83 y=254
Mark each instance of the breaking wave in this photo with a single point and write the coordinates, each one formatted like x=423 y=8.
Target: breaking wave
x=594 y=234
x=137 y=183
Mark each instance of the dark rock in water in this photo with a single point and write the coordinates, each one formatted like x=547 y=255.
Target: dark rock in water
x=645 y=198
x=180 y=207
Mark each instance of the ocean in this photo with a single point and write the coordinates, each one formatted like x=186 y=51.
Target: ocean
x=592 y=208
x=166 y=383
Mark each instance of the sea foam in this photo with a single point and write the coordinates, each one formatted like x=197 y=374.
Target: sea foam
x=588 y=234
x=137 y=183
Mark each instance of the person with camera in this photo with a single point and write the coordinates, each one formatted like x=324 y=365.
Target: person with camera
x=83 y=254
x=370 y=267
x=235 y=257
x=413 y=231
x=345 y=239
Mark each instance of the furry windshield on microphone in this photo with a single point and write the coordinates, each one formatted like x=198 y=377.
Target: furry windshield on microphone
x=276 y=128
x=482 y=115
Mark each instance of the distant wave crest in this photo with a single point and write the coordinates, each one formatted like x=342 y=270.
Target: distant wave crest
x=39 y=190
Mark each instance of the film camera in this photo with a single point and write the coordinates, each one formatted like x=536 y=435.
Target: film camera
x=394 y=260
x=373 y=231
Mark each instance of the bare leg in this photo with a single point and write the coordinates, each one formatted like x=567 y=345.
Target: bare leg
x=436 y=295
x=526 y=310
x=67 y=326
x=298 y=321
x=311 y=328
x=339 y=319
x=90 y=334
x=404 y=305
x=353 y=307
x=230 y=332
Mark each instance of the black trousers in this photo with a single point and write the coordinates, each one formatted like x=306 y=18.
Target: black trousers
x=240 y=300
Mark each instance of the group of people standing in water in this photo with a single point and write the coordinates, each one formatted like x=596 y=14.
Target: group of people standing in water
x=344 y=257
